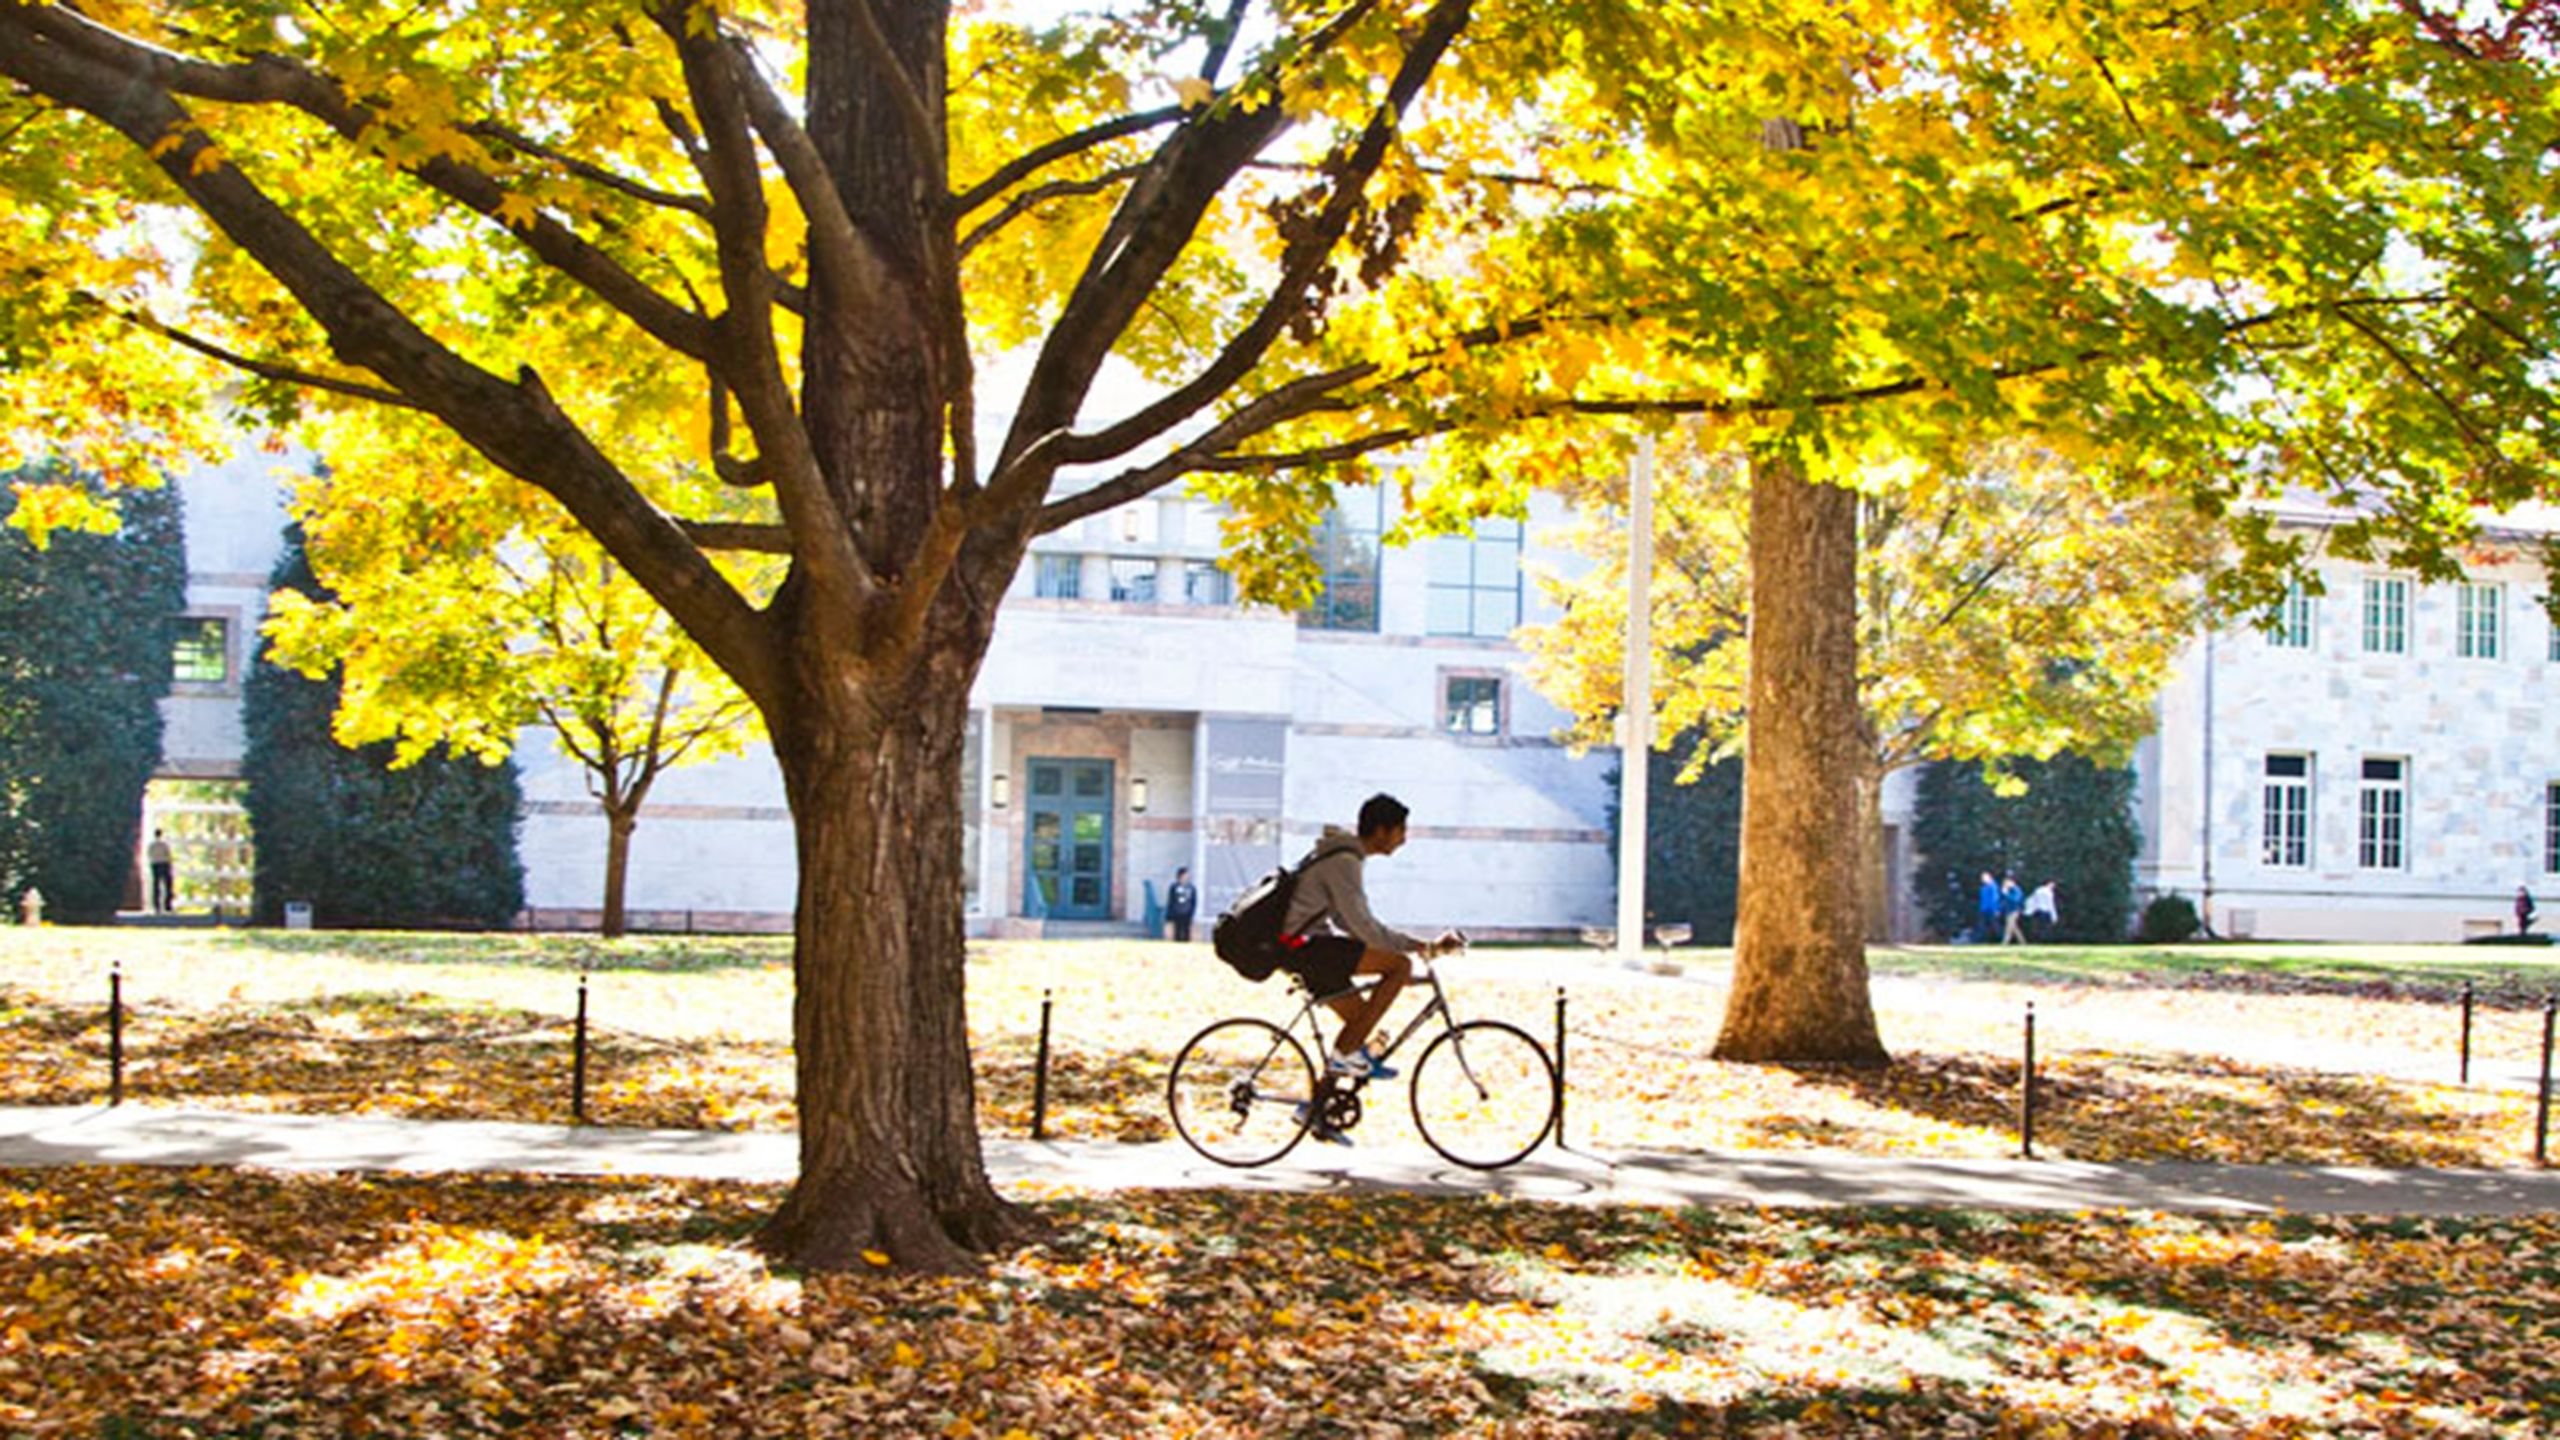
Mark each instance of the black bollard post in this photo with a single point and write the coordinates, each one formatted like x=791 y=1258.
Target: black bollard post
x=2466 y=1032
x=2027 y=1092
x=578 y=1058
x=2542 y=1092
x=1040 y=1077
x=1560 y=1067
x=115 y=1033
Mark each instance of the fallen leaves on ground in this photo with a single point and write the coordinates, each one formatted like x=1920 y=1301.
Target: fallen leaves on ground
x=694 y=1040
x=237 y=1303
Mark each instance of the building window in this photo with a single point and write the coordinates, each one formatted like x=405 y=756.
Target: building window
x=2476 y=620
x=1203 y=583
x=1346 y=556
x=2285 y=829
x=1475 y=581
x=1133 y=581
x=2382 y=809
x=203 y=651
x=2386 y=615
x=2292 y=621
x=1058 y=577
x=2551 y=828
x=1471 y=705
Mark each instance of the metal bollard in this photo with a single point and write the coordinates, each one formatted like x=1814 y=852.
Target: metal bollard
x=578 y=1058
x=1560 y=1067
x=115 y=1033
x=2027 y=1092
x=2466 y=1032
x=2542 y=1092
x=1040 y=1077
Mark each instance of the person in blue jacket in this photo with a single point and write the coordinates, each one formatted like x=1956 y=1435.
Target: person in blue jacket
x=1986 y=910
x=2013 y=903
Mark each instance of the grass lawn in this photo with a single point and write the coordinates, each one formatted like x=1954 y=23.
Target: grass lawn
x=240 y=1303
x=2308 y=1054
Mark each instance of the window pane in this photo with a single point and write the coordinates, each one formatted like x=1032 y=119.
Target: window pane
x=1058 y=576
x=1451 y=559
x=1446 y=611
x=203 y=651
x=2382 y=769
x=1497 y=612
x=2288 y=765
x=1089 y=783
x=1133 y=581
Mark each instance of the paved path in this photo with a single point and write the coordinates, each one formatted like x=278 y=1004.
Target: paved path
x=147 y=1135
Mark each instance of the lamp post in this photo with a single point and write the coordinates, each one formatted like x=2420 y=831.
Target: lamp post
x=1635 y=707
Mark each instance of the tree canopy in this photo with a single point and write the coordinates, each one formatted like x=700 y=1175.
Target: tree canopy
x=2007 y=608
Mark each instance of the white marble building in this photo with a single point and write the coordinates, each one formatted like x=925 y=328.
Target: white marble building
x=2385 y=766
x=1129 y=719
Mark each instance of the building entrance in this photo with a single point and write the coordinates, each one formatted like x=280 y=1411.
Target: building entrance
x=1067 y=849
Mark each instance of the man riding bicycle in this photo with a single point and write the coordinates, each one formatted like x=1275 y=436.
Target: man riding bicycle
x=1329 y=936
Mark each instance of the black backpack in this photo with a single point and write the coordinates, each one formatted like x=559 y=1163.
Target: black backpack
x=1247 y=935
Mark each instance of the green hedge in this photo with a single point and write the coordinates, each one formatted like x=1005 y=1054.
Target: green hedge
x=429 y=845
x=1693 y=845
x=2073 y=825
x=85 y=655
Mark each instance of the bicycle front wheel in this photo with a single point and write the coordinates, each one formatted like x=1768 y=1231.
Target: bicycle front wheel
x=1242 y=1092
x=1484 y=1094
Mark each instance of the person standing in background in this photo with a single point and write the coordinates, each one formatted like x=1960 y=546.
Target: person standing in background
x=1181 y=902
x=164 y=874
x=1986 y=910
x=2013 y=901
x=2524 y=911
x=2041 y=912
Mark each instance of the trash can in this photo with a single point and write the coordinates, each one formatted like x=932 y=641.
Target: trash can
x=297 y=914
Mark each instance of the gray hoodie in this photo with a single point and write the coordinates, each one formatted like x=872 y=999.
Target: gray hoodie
x=1330 y=891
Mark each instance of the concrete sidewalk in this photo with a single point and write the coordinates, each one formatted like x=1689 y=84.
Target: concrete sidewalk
x=145 y=1135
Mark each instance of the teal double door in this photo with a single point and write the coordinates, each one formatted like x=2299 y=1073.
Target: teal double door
x=1066 y=858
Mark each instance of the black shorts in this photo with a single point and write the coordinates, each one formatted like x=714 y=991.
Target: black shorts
x=1325 y=962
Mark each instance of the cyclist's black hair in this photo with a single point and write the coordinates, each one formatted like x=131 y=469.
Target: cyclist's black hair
x=1381 y=813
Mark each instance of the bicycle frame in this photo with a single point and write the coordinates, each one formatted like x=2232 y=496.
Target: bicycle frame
x=1438 y=1006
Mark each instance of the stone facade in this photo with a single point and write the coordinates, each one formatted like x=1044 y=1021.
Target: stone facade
x=2386 y=767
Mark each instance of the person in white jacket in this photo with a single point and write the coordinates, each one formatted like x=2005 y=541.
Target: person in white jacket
x=1328 y=935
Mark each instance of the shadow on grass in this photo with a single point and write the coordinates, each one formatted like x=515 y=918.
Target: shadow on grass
x=2110 y=1107
x=2514 y=982
x=668 y=954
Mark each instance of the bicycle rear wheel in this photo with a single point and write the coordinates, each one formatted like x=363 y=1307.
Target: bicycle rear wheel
x=1484 y=1094
x=1242 y=1092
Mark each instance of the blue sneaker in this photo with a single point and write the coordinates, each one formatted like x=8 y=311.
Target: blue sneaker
x=1359 y=1065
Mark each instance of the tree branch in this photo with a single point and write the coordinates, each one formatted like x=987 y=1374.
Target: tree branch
x=821 y=532
x=922 y=132
x=1022 y=166
x=1050 y=190
x=761 y=537
x=268 y=369
x=516 y=425
x=1307 y=253
x=836 y=246
x=491 y=130
x=275 y=80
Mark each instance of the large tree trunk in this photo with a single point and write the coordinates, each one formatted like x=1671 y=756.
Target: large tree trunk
x=617 y=869
x=889 y=1156
x=1800 y=962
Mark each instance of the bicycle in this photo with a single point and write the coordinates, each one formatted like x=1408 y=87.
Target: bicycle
x=1243 y=1091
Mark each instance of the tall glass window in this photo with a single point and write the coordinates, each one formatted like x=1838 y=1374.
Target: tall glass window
x=2386 y=615
x=1347 y=562
x=2292 y=630
x=2476 y=610
x=1058 y=577
x=1475 y=581
x=2382 y=809
x=2285 y=812
x=2551 y=829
